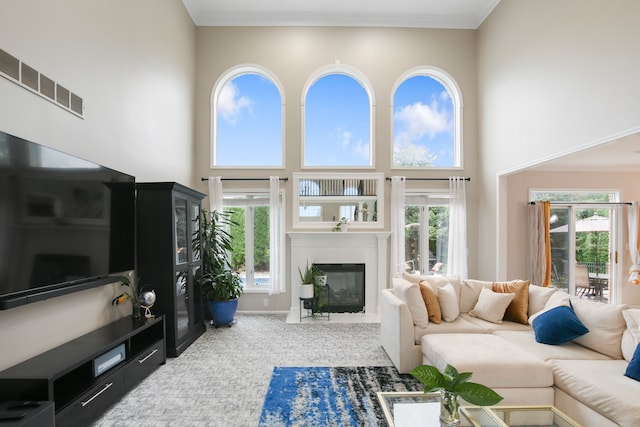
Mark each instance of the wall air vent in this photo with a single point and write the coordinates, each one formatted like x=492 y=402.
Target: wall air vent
x=37 y=83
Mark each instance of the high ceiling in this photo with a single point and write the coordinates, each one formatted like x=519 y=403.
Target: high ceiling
x=620 y=155
x=459 y=14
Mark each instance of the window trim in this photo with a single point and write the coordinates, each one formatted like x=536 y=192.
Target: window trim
x=228 y=75
x=451 y=85
x=254 y=289
x=358 y=76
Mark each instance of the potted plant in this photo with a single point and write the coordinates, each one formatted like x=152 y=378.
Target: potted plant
x=131 y=296
x=453 y=385
x=320 y=281
x=221 y=286
x=307 y=281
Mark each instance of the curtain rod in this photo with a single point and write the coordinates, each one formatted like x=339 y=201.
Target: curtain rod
x=585 y=203
x=428 y=179
x=285 y=179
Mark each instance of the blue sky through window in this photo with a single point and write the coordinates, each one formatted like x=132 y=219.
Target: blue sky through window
x=423 y=124
x=337 y=123
x=249 y=123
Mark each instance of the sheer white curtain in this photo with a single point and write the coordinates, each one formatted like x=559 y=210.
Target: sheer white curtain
x=457 y=257
x=632 y=217
x=215 y=193
x=397 y=265
x=276 y=238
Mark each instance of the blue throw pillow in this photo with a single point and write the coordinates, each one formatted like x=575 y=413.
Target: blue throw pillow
x=558 y=325
x=633 y=369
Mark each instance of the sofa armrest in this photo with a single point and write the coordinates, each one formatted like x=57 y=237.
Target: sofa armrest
x=397 y=332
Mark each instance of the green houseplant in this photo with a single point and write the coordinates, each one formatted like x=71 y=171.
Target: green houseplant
x=221 y=286
x=307 y=280
x=453 y=385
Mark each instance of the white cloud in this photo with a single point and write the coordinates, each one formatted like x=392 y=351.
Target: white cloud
x=231 y=104
x=346 y=138
x=418 y=119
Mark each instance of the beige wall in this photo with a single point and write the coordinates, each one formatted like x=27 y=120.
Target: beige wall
x=382 y=55
x=133 y=63
x=553 y=76
x=517 y=190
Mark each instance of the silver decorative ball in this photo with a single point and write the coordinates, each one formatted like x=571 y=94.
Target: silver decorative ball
x=147 y=298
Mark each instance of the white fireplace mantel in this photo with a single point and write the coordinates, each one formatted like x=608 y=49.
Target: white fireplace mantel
x=368 y=248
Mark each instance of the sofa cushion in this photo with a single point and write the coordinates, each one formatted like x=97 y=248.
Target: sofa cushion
x=469 y=293
x=494 y=361
x=605 y=323
x=526 y=340
x=448 y=300
x=459 y=326
x=557 y=326
x=538 y=297
x=431 y=302
x=631 y=335
x=601 y=385
x=633 y=369
x=518 y=309
x=491 y=305
x=489 y=327
x=409 y=293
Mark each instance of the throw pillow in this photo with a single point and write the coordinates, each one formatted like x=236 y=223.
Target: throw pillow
x=558 y=325
x=538 y=297
x=605 y=323
x=469 y=293
x=557 y=299
x=633 y=368
x=491 y=306
x=518 y=309
x=631 y=336
x=431 y=301
x=440 y=281
x=409 y=293
x=448 y=300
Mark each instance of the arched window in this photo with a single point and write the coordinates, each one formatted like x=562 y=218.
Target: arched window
x=247 y=119
x=338 y=109
x=427 y=121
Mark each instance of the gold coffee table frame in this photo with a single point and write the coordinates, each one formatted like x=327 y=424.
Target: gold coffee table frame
x=478 y=416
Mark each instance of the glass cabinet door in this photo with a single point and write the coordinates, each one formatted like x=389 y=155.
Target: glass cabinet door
x=180 y=225
x=182 y=304
x=195 y=231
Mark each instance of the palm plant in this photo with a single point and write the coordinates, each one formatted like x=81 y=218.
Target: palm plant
x=218 y=280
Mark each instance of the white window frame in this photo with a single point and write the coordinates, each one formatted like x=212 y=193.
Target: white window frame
x=227 y=76
x=264 y=289
x=349 y=71
x=450 y=85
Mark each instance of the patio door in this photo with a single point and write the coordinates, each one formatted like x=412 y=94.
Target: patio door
x=583 y=249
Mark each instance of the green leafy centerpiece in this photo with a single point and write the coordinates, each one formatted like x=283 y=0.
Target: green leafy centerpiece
x=453 y=385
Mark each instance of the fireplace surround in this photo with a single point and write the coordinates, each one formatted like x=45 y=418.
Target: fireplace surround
x=368 y=248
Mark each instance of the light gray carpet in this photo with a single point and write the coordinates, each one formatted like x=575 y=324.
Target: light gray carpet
x=222 y=378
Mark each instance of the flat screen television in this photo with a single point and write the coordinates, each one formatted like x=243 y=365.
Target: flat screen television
x=66 y=224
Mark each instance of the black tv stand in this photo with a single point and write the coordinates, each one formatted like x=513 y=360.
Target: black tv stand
x=67 y=376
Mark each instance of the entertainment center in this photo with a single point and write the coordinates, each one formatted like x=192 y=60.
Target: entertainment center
x=67 y=376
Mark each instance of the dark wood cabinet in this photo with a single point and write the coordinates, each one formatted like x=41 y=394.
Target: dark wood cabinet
x=67 y=375
x=169 y=257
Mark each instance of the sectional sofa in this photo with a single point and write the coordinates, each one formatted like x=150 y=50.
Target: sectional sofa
x=486 y=328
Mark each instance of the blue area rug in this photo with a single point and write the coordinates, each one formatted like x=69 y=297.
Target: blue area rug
x=340 y=397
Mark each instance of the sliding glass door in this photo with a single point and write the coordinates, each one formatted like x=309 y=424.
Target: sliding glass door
x=583 y=242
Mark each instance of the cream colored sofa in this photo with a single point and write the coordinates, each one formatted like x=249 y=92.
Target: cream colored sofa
x=587 y=373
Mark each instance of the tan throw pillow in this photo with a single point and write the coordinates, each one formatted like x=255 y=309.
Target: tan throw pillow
x=431 y=301
x=518 y=309
x=448 y=300
x=491 y=305
x=606 y=325
x=538 y=297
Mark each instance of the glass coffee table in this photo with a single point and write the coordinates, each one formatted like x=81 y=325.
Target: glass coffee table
x=418 y=409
